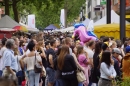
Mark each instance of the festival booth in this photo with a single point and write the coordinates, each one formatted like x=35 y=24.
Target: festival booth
x=6 y=25
x=69 y=29
x=110 y=30
x=50 y=28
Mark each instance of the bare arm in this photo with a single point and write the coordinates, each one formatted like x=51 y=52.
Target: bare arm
x=77 y=63
x=51 y=60
x=43 y=55
x=10 y=70
x=22 y=62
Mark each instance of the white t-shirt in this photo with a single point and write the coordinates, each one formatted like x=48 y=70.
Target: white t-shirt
x=18 y=59
x=1 y=59
x=89 y=52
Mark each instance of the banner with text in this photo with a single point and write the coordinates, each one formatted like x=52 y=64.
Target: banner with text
x=31 y=21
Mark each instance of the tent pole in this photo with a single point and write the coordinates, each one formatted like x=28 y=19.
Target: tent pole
x=108 y=13
x=122 y=19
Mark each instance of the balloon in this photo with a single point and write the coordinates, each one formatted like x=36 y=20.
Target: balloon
x=90 y=33
x=81 y=31
x=78 y=25
x=83 y=34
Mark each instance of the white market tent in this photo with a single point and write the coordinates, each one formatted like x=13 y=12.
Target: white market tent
x=69 y=29
x=115 y=18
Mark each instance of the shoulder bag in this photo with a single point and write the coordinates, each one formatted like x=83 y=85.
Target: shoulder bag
x=37 y=69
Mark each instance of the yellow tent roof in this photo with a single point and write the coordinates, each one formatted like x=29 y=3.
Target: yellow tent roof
x=110 y=30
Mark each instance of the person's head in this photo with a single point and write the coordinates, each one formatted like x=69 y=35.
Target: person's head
x=35 y=41
x=91 y=44
x=68 y=41
x=64 y=51
x=106 y=39
x=21 y=38
x=21 y=44
x=112 y=45
x=3 y=41
x=31 y=45
x=10 y=44
x=59 y=50
x=16 y=40
x=77 y=43
x=74 y=49
x=53 y=43
x=63 y=41
x=101 y=38
x=119 y=43
x=25 y=39
x=40 y=44
x=47 y=45
x=116 y=52
x=105 y=46
x=112 y=38
x=57 y=42
x=106 y=57
x=127 y=49
x=98 y=47
x=80 y=50
x=16 y=52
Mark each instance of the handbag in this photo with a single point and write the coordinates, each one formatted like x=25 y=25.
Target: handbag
x=114 y=83
x=80 y=76
x=37 y=69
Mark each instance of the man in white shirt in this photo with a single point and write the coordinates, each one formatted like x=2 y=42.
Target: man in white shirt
x=89 y=49
x=3 y=41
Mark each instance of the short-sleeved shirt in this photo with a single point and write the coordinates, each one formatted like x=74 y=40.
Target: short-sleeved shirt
x=10 y=60
x=89 y=51
x=1 y=59
x=82 y=60
x=50 y=52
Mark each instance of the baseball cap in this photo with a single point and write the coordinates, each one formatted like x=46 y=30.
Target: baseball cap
x=116 y=50
x=127 y=49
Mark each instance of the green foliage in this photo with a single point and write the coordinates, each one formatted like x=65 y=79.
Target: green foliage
x=48 y=11
x=125 y=82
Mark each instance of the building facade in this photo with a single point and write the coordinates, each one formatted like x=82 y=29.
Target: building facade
x=95 y=10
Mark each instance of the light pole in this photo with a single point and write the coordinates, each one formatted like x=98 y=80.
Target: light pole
x=122 y=18
x=81 y=14
x=108 y=11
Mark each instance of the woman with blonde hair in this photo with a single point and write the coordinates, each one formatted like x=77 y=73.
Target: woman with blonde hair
x=40 y=49
x=67 y=66
x=20 y=73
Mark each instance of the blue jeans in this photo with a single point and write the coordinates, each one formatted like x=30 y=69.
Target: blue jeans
x=20 y=76
x=80 y=84
x=33 y=78
x=1 y=73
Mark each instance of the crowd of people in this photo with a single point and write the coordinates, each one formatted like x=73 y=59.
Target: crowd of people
x=54 y=60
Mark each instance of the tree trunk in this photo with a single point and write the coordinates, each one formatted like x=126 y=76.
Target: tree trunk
x=16 y=18
x=6 y=7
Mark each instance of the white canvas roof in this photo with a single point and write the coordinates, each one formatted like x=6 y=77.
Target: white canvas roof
x=115 y=18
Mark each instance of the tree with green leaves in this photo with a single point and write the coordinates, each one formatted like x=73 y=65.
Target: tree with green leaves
x=46 y=11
